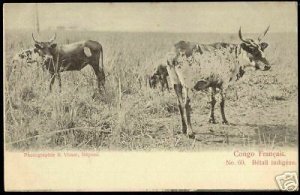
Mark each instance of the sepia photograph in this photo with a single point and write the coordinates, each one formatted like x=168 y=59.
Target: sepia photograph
x=150 y=96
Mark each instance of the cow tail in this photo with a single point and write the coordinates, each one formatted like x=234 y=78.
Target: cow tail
x=101 y=59
x=102 y=66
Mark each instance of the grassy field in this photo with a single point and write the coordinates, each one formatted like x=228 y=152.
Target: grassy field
x=262 y=106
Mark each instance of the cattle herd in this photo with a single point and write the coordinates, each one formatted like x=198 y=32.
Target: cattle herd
x=190 y=66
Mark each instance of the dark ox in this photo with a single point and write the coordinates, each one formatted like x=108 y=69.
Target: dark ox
x=159 y=76
x=72 y=57
x=194 y=66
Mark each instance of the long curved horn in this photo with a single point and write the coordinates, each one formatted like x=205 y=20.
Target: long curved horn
x=240 y=36
x=262 y=35
x=53 y=38
x=34 y=39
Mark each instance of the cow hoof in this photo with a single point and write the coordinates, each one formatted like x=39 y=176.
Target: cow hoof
x=191 y=135
x=225 y=123
x=183 y=130
x=212 y=121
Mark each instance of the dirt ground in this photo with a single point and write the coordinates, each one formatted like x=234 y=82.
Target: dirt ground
x=272 y=126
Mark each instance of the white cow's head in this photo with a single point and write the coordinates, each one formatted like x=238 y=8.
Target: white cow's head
x=254 y=51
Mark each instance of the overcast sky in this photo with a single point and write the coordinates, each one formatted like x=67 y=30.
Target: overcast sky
x=165 y=17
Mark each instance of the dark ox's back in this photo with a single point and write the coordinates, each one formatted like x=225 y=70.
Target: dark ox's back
x=73 y=57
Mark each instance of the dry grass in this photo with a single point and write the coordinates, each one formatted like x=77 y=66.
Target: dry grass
x=265 y=114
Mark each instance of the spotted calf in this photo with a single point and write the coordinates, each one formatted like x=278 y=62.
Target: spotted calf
x=159 y=75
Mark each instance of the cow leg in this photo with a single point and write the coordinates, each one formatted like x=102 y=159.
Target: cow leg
x=165 y=81
x=147 y=81
x=59 y=81
x=212 y=106
x=161 y=84
x=52 y=81
x=178 y=91
x=100 y=78
x=222 y=106
x=167 y=85
x=187 y=112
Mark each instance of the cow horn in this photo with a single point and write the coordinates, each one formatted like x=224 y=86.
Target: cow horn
x=262 y=35
x=53 y=38
x=34 y=39
x=240 y=36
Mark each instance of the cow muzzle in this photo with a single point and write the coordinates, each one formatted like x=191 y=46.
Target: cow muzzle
x=267 y=67
x=263 y=64
x=266 y=63
x=48 y=57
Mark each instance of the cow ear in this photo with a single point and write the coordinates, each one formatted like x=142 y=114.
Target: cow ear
x=37 y=46
x=53 y=45
x=263 y=45
x=243 y=46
